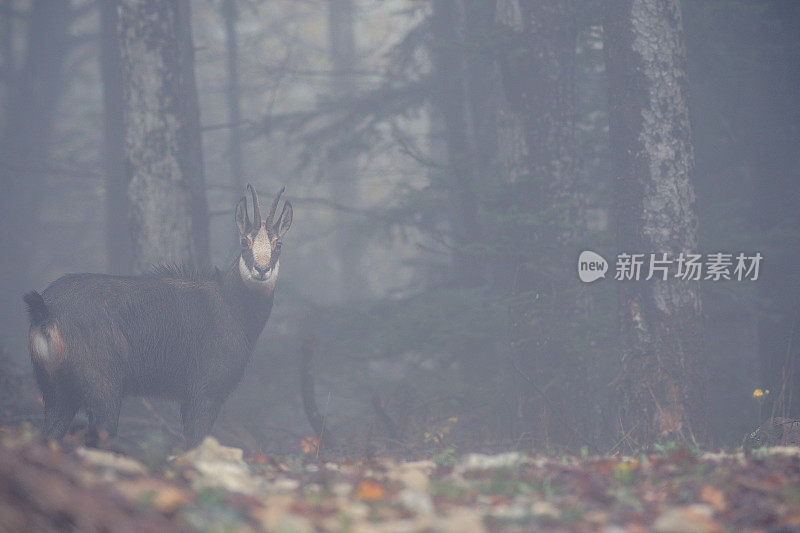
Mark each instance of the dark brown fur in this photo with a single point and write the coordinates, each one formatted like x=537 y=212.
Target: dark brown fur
x=175 y=334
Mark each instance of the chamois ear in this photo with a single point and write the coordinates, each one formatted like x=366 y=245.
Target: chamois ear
x=242 y=220
x=285 y=220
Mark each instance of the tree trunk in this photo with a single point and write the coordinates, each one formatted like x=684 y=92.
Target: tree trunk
x=343 y=170
x=7 y=66
x=661 y=376
x=163 y=152
x=230 y=15
x=539 y=156
x=118 y=238
x=772 y=138
x=450 y=98
x=26 y=142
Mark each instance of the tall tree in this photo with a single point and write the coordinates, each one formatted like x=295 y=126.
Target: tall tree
x=230 y=15
x=661 y=376
x=450 y=99
x=118 y=238
x=343 y=171
x=538 y=153
x=163 y=151
x=26 y=142
x=771 y=139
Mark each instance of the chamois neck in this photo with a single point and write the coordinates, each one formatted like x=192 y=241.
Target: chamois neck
x=252 y=306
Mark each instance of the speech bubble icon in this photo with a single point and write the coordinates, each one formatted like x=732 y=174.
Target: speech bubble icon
x=591 y=266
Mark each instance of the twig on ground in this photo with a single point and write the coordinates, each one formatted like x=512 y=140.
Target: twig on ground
x=317 y=421
x=386 y=420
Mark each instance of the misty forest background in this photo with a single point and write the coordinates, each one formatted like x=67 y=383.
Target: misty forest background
x=447 y=161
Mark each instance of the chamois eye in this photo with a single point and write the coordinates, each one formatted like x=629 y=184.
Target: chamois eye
x=244 y=242
x=278 y=247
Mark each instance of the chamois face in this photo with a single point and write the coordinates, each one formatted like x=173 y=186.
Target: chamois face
x=261 y=242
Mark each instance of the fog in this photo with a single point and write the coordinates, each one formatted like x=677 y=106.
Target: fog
x=447 y=163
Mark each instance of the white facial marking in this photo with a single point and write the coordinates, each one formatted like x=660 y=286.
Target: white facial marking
x=265 y=285
x=40 y=346
x=262 y=251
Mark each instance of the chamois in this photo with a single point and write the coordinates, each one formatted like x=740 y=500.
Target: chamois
x=174 y=333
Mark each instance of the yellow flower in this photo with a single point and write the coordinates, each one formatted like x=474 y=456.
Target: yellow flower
x=758 y=393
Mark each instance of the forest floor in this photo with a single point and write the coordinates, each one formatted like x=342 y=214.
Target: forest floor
x=47 y=487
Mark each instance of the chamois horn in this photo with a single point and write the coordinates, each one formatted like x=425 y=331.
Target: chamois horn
x=256 y=208
x=274 y=207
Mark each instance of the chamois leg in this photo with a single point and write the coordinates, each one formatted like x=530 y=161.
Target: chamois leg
x=103 y=408
x=198 y=414
x=58 y=415
x=60 y=403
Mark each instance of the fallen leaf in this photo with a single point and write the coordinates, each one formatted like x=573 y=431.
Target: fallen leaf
x=791 y=521
x=259 y=459
x=545 y=509
x=214 y=465
x=275 y=515
x=604 y=466
x=766 y=484
x=413 y=475
x=690 y=519
x=309 y=444
x=713 y=497
x=162 y=496
x=370 y=491
x=170 y=499
x=596 y=517
x=111 y=461
x=462 y=519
